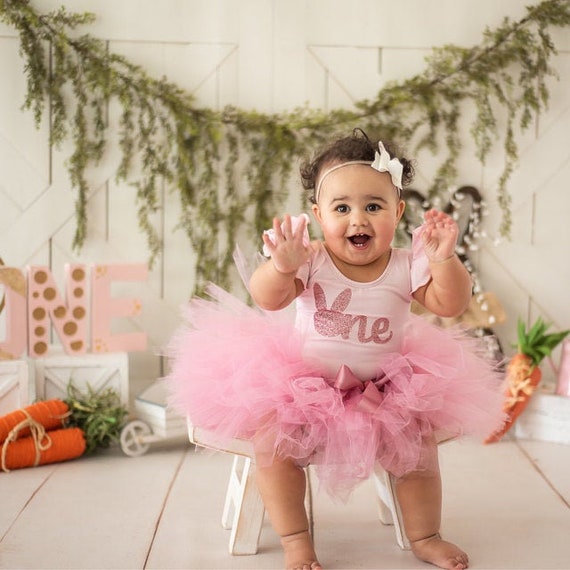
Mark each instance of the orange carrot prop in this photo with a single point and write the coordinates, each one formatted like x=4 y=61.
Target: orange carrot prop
x=523 y=373
x=48 y=413
x=43 y=448
x=30 y=436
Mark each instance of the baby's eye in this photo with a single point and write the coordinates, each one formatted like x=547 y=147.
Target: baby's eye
x=342 y=208
x=373 y=207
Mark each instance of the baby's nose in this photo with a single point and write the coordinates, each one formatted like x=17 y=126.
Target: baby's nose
x=359 y=218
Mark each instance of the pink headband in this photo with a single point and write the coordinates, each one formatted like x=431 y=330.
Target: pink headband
x=382 y=163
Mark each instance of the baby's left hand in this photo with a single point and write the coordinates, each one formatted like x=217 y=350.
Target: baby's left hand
x=439 y=236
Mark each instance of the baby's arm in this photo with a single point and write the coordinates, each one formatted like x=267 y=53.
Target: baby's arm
x=274 y=285
x=448 y=292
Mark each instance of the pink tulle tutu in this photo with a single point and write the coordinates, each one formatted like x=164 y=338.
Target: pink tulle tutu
x=240 y=372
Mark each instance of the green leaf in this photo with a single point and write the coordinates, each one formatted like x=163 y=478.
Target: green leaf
x=535 y=343
x=99 y=414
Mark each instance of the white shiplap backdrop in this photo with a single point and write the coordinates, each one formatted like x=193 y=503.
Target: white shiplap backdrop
x=273 y=55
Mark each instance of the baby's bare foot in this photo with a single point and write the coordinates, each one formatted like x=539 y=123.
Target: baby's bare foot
x=440 y=553
x=299 y=552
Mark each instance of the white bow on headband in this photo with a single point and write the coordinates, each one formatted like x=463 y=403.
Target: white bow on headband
x=383 y=163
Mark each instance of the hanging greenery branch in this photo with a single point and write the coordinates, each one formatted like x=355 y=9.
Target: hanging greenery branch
x=231 y=166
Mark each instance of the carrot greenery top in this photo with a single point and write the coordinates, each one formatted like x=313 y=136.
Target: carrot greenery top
x=99 y=414
x=535 y=343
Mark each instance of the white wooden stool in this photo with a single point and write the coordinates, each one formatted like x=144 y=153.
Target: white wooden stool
x=243 y=508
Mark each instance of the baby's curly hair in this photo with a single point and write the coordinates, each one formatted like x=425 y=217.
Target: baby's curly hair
x=357 y=146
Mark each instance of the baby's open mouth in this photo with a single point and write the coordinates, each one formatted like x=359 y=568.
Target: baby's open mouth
x=359 y=240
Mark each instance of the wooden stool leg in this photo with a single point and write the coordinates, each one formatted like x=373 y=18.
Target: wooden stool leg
x=388 y=506
x=243 y=507
x=233 y=488
x=309 y=501
x=383 y=500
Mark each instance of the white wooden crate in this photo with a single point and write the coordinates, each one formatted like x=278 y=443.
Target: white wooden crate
x=14 y=385
x=546 y=418
x=100 y=371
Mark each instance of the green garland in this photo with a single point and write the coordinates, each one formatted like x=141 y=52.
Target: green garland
x=232 y=166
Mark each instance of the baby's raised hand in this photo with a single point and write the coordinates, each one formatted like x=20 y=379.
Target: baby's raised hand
x=439 y=236
x=287 y=247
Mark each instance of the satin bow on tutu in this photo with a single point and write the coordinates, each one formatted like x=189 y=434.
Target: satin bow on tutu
x=371 y=396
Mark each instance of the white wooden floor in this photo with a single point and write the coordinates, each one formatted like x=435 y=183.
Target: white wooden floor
x=507 y=504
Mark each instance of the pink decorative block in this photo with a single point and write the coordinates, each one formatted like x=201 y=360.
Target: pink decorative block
x=563 y=383
x=14 y=282
x=105 y=308
x=68 y=316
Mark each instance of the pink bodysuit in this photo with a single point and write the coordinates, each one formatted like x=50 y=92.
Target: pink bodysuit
x=352 y=323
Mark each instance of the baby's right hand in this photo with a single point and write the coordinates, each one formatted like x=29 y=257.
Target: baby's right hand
x=288 y=249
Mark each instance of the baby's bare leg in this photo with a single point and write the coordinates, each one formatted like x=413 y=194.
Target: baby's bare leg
x=282 y=487
x=419 y=495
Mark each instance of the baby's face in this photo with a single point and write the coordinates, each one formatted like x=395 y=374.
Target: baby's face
x=358 y=210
